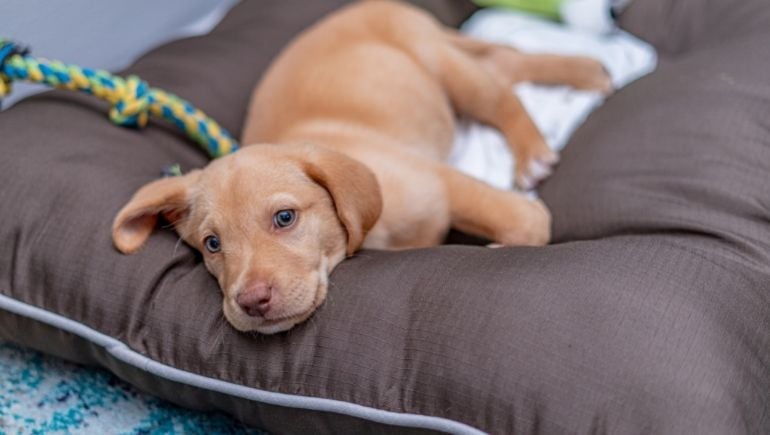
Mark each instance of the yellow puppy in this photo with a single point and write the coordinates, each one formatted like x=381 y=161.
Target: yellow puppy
x=351 y=127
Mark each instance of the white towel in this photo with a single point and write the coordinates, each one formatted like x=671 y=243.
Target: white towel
x=480 y=150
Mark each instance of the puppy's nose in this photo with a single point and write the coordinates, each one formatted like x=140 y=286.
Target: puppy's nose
x=255 y=300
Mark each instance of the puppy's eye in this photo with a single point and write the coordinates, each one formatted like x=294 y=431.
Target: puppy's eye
x=212 y=244
x=284 y=218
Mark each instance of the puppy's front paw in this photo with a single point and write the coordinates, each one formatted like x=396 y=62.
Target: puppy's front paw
x=534 y=164
x=532 y=226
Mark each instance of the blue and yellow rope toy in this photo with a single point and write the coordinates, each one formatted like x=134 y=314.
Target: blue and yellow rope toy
x=132 y=99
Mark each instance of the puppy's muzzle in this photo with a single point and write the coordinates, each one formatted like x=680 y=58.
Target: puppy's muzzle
x=255 y=299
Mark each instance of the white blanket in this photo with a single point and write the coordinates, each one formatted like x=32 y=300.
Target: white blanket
x=480 y=150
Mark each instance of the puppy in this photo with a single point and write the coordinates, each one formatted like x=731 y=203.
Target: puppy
x=351 y=127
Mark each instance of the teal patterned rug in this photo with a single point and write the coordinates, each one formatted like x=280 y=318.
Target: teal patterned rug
x=45 y=395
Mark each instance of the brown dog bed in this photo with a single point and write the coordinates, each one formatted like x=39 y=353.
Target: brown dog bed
x=650 y=313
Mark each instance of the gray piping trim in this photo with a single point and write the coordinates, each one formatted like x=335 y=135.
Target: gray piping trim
x=123 y=353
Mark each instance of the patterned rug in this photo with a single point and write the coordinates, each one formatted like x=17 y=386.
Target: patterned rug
x=41 y=395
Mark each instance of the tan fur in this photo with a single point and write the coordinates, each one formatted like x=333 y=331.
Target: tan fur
x=362 y=106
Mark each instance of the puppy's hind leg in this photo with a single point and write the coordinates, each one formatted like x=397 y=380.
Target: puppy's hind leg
x=502 y=216
x=512 y=66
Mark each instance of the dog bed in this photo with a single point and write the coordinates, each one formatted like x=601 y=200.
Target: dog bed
x=650 y=313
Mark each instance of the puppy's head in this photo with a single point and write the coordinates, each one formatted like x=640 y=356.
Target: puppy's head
x=271 y=223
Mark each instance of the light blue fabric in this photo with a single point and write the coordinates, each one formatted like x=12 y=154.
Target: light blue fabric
x=102 y=34
x=41 y=394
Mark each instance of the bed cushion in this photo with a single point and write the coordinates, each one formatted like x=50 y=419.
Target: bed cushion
x=649 y=314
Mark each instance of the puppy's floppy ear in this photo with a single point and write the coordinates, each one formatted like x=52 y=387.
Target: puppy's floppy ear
x=352 y=186
x=134 y=223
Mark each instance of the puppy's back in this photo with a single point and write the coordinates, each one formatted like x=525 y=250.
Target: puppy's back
x=370 y=64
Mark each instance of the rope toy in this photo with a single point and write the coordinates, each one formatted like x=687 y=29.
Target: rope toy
x=132 y=99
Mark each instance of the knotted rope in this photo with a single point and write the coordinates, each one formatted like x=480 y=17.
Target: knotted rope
x=132 y=99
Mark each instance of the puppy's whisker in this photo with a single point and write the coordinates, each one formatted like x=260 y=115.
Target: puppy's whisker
x=176 y=246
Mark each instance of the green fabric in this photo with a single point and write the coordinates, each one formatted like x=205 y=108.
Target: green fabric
x=548 y=8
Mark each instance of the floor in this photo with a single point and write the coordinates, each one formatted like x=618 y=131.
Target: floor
x=41 y=394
